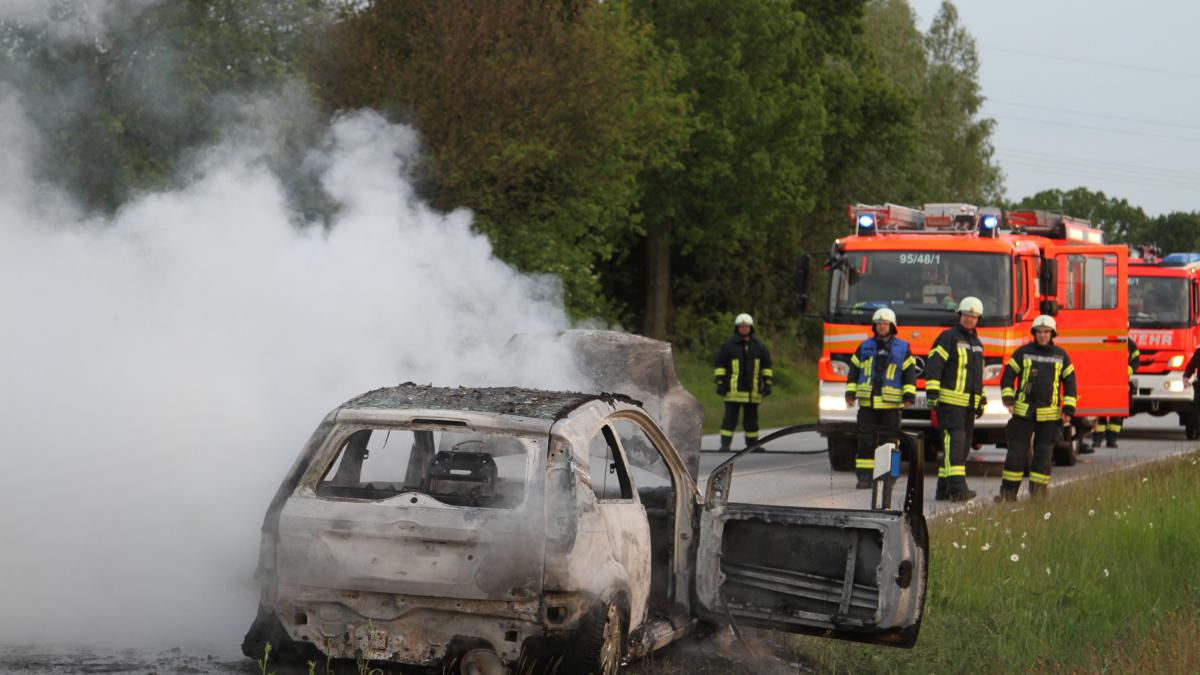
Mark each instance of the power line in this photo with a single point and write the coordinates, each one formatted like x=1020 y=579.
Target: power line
x=1119 y=118
x=1128 y=132
x=1084 y=162
x=1094 y=62
x=1099 y=175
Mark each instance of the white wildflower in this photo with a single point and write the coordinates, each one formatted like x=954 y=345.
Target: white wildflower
x=1022 y=545
x=1106 y=572
x=1091 y=512
x=1145 y=479
x=1047 y=571
x=1047 y=516
x=1014 y=557
x=985 y=547
x=955 y=544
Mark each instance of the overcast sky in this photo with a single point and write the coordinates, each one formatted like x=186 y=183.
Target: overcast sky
x=1098 y=93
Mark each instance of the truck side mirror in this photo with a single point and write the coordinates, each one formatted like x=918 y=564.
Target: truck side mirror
x=1049 y=307
x=803 y=268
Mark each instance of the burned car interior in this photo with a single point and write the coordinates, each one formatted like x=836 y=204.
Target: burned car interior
x=455 y=468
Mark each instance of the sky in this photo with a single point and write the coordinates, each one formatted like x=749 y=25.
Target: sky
x=1095 y=93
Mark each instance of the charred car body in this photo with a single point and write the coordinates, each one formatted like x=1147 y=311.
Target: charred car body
x=479 y=527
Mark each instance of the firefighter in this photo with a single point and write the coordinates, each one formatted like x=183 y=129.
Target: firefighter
x=954 y=388
x=1038 y=388
x=743 y=374
x=882 y=377
x=1193 y=368
x=1108 y=428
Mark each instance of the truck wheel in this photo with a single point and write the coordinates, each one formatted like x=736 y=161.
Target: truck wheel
x=843 y=450
x=599 y=645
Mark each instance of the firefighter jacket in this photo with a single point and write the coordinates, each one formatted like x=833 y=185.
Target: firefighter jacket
x=1135 y=356
x=1193 y=366
x=1039 y=382
x=882 y=374
x=743 y=367
x=954 y=369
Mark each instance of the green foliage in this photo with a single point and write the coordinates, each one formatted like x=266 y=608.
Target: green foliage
x=1120 y=220
x=538 y=116
x=1018 y=587
x=117 y=110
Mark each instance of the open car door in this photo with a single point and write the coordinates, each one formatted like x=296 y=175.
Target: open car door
x=1093 y=323
x=842 y=573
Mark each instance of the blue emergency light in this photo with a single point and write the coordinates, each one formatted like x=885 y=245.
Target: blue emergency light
x=866 y=224
x=990 y=221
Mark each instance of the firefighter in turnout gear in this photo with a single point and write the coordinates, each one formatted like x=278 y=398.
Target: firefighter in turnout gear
x=1038 y=387
x=743 y=374
x=954 y=388
x=883 y=378
x=1109 y=428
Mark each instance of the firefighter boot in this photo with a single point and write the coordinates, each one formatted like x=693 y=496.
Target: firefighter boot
x=1008 y=492
x=1037 y=490
x=940 y=493
x=958 y=491
x=726 y=443
x=1112 y=439
x=1097 y=438
x=864 y=480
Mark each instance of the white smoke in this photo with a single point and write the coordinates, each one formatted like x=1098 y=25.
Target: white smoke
x=72 y=20
x=160 y=370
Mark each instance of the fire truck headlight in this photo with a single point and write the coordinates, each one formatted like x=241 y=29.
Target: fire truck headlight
x=995 y=408
x=1175 y=361
x=1174 y=385
x=832 y=403
x=839 y=368
x=993 y=371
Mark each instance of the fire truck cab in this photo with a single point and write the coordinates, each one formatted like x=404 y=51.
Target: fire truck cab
x=922 y=262
x=1164 y=322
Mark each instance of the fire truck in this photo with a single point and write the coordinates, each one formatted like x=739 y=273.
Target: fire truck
x=922 y=262
x=1164 y=322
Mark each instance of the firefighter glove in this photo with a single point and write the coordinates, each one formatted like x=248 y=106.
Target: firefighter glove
x=722 y=389
x=766 y=389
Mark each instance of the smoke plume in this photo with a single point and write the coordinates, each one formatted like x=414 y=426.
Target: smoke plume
x=162 y=367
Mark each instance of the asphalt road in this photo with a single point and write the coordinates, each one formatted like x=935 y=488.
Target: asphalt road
x=770 y=477
x=777 y=477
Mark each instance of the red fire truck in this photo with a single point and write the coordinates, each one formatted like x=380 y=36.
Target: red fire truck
x=1164 y=322
x=922 y=262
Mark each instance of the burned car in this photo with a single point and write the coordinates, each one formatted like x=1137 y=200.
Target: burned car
x=480 y=529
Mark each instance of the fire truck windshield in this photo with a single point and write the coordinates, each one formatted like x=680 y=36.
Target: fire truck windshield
x=922 y=287
x=1158 y=302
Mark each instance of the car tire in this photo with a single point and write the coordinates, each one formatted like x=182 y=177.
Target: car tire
x=599 y=645
x=842 y=452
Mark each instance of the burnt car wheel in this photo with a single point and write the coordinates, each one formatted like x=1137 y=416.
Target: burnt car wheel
x=600 y=643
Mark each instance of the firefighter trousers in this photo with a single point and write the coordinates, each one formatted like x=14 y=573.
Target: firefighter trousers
x=955 y=425
x=749 y=413
x=1107 y=429
x=875 y=427
x=1019 y=432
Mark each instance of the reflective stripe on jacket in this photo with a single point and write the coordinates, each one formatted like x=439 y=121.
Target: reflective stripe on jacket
x=954 y=369
x=1039 y=382
x=879 y=378
x=744 y=366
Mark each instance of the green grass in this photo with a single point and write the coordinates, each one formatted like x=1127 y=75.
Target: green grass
x=793 y=399
x=1060 y=585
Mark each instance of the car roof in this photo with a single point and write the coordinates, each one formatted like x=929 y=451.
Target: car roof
x=531 y=403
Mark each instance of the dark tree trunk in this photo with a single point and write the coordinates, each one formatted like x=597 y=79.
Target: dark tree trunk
x=658 y=281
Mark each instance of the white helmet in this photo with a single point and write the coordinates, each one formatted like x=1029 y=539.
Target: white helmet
x=884 y=314
x=1045 y=321
x=971 y=306
x=743 y=319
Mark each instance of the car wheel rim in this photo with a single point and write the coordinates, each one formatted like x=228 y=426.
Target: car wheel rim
x=610 y=651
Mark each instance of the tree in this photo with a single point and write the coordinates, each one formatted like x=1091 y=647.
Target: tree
x=538 y=115
x=1120 y=220
x=119 y=109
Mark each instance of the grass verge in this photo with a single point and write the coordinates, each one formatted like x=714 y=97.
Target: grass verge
x=1101 y=573
x=794 y=395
